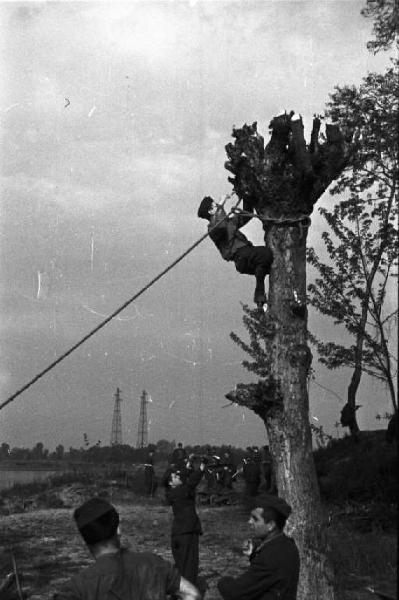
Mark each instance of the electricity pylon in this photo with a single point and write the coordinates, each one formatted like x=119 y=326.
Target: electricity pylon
x=116 y=432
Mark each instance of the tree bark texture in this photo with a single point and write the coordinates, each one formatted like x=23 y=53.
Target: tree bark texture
x=288 y=425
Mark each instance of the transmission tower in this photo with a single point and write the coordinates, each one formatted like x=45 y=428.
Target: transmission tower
x=142 y=434
x=116 y=433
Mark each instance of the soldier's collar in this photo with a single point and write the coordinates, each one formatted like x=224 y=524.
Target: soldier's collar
x=270 y=538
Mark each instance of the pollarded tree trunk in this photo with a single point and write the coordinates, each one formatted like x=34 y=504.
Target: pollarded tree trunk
x=282 y=182
x=288 y=426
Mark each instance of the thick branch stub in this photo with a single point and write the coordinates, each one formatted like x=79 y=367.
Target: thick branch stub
x=314 y=137
x=300 y=356
x=300 y=155
x=263 y=398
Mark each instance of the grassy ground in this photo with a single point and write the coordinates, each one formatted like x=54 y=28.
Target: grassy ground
x=361 y=560
x=359 y=489
x=49 y=550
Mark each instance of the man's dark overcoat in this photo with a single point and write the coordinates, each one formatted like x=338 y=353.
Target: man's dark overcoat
x=273 y=573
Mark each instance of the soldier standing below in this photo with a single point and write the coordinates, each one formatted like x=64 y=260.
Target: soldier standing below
x=251 y=473
x=179 y=457
x=117 y=572
x=186 y=526
x=149 y=475
x=256 y=454
x=228 y=470
x=267 y=472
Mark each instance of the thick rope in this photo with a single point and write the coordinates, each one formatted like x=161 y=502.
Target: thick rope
x=272 y=219
x=115 y=313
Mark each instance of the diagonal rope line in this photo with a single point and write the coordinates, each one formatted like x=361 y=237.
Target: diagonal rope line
x=115 y=313
x=273 y=219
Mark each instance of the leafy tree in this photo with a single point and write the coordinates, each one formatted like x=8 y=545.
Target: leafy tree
x=322 y=438
x=38 y=451
x=4 y=450
x=165 y=447
x=361 y=240
x=20 y=454
x=59 y=452
x=386 y=23
x=281 y=182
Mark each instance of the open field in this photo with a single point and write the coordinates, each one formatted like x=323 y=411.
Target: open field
x=359 y=490
x=49 y=550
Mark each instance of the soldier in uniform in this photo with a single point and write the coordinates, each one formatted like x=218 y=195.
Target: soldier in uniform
x=116 y=572
x=186 y=526
x=251 y=473
x=150 y=482
x=234 y=246
x=228 y=470
x=267 y=472
x=179 y=456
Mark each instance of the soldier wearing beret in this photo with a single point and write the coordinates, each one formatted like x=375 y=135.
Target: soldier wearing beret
x=116 y=572
x=274 y=558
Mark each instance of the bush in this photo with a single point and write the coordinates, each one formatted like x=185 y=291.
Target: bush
x=362 y=471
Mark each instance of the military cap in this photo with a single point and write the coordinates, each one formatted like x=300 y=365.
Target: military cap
x=270 y=501
x=91 y=510
x=204 y=207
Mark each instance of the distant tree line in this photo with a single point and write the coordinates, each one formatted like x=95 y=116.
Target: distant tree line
x=123 y=453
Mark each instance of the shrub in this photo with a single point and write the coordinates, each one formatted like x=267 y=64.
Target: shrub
x=363 y=471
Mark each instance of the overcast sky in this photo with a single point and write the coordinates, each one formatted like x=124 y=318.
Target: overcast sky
x=114 y=118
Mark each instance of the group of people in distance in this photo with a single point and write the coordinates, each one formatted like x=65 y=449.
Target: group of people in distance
x=221 y=471
x=122 y=574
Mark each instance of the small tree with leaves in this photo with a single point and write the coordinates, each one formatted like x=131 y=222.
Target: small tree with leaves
x=362 y=240
x=386 y=23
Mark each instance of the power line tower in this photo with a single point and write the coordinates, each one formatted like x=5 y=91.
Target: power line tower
x=142 y=433
x=116 y=433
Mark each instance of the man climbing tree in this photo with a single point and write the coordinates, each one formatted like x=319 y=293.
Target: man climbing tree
x=281 y=183
x=224 y=231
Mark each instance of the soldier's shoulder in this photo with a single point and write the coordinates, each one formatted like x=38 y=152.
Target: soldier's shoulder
x=141 y=558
